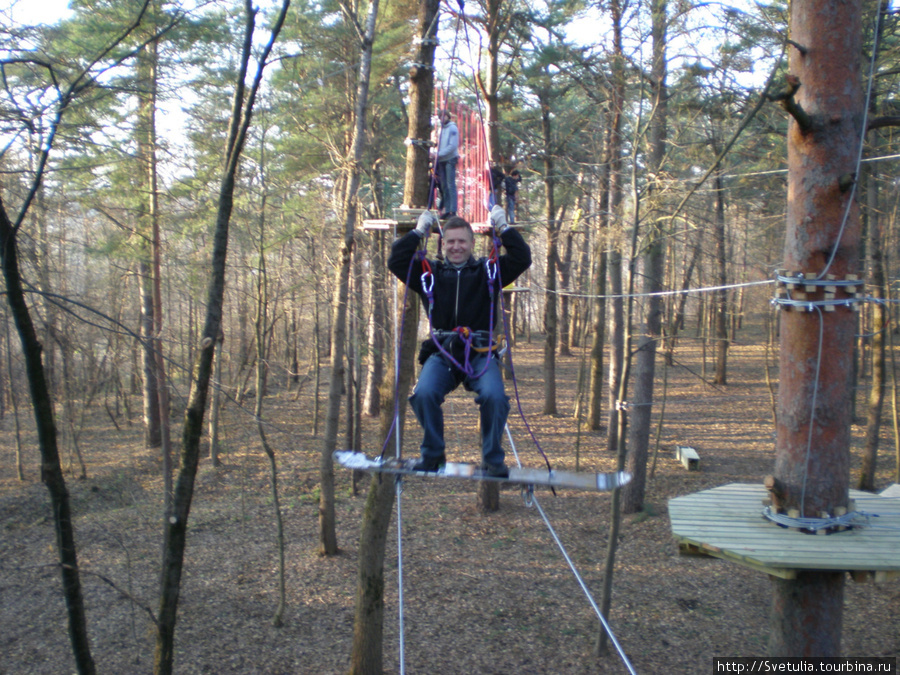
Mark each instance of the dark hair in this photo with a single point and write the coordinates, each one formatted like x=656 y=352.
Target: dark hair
x=455 y=223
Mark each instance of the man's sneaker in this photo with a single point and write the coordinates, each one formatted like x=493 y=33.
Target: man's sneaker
x=495 y=470
x=429 y=464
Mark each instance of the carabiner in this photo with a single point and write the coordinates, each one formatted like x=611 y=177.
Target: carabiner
x=491 y=266
x=427 y=282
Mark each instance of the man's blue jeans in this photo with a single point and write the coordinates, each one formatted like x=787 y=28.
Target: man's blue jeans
x=447 y=179
x=437 y=379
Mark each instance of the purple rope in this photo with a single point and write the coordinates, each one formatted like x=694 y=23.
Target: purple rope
x=418 y=255
x=515 y=383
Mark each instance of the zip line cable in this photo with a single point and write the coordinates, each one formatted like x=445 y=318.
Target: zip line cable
x=862 y=144
x=685 y=291
x=532 y=500
x=398 y=483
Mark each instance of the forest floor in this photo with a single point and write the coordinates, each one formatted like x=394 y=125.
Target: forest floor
x=482 y=593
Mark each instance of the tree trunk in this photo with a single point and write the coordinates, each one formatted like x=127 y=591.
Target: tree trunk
x=881 y=315
x=148 y=251
x=149 y=390
x=880 y=326
x=263 y=331
x=813 y=433
x=654 y=271
x=327 y=527
x=215 y=404
x=616 y=434
x=51 y=470
x=550 y=298
x=721 y=301
x=618 y=329
x=565 y=278
x=368 y=621
x=148 y=58
x=417 y=185
x=375 y=332
x=175 y=531
x=601 y=259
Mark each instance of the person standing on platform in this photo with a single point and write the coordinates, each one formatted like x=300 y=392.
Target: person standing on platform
x=447 y=158
x=511 y=186
x=494 y=185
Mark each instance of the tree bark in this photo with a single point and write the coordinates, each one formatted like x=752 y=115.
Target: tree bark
x=813 y=432
x=654 y=271
x=263 y=332
x=417 y=184
x=598 y=330
x=721 y=297
x=366 y=657
x=618 y=328
x=51 y=469
x=551 y=298
x=327 y=530
x=881 y=315
x=881 y=324
x=175 y=531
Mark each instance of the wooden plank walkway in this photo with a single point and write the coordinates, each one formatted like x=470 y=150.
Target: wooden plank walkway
x=727 y=522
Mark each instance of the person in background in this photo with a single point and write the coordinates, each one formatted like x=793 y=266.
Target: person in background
x=447 y=158
x=495 y=177
x=511 y=187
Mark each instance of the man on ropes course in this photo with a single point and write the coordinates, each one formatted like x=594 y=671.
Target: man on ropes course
x=460 y=295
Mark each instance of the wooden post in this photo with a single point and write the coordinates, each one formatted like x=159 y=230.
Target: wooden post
x=813 y=429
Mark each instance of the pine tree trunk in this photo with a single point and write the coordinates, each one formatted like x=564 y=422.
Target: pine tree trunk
x=618 y=328
x=366 y=657
x=721 y=301
x=806 y=611
x=598 y=330
x=880 y=326
x=653 y=276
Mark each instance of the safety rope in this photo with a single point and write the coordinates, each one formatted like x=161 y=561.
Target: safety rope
x=862 y=142
x=531 y=500
x=398 y=484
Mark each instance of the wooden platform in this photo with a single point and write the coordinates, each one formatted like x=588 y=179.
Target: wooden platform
x=727 y=522
x=405 y=219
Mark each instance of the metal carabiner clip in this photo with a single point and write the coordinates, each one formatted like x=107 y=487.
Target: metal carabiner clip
x=427 y=282
x=491 y=266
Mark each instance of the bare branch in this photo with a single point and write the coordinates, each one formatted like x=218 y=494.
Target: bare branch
x=882 y=122
x=789 y=103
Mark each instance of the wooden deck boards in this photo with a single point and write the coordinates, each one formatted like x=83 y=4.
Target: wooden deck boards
x=727 y=522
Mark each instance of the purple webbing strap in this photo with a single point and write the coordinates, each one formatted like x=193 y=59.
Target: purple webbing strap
x=512 y=372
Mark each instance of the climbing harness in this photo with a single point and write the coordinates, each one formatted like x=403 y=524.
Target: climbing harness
x=467 y=336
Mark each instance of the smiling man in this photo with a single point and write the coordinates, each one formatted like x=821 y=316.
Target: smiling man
x=462 y=293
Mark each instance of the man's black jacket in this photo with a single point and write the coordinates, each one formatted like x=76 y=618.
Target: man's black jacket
x=461 y=295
